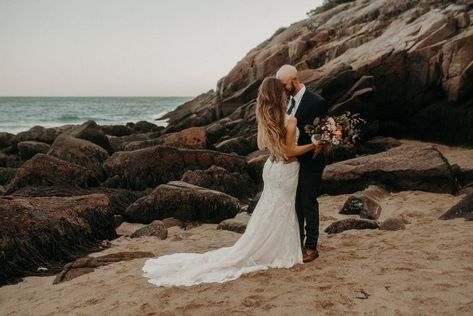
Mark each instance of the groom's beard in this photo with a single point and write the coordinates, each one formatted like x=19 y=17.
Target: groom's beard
x=291 y=91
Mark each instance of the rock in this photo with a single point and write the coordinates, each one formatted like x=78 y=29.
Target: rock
x=376 y=145
x=39 y=134
x=171 y=221
x=392 y=224
x=119 y=199
x=86 y=265
x=92 y=132
x=117 y=130
x=81 y=152
x=47 y=170
x=6 y=174
x=152 y=166
x=236 y=184
x=10 y=161
x=462 y=209
x=117 y=220
x=47 y=232
x=237 y=224
x=256 y=167
x=198 y=112
x=127 y=229
x=28 y=149
x=143 y=127
x=238 y=145
x=463 y=20
x=193 y=137
x=185 y=202
x=400 y=64
x=156 y=228
x=407 y=167
x=6 y=140
x=350 y=223
x=254 y=201
x=365 y=203
x=119 y=143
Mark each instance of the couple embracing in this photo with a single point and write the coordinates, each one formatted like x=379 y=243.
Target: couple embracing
x=284 y=227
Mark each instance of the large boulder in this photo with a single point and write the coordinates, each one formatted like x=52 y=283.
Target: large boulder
x=118 y=143
x=81 y=152
x=47 y=170
x=39 y=134
x=7 y=139
x=48 y=232
x=462 y=209
x=407 y=167
x=6 y=175
x=197 y=112
x=239 y=145
x=119 y=199
x=183 y=201
x=92 y=132
x=10 y=160
x=149 y=167
x=117 y=130
x=236 y=184
x=144 y=127
x=28 y=149
x=193 y=137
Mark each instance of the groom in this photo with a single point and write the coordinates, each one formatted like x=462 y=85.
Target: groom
x=305 y=106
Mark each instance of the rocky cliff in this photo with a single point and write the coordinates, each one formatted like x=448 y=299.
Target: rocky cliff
x=407 y=66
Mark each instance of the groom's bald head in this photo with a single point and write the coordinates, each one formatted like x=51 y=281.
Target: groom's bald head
x=287 y=74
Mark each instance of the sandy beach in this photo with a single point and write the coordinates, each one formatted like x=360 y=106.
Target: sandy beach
x=424 y=269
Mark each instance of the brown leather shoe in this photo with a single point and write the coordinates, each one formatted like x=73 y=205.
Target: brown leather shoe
x=310 y=255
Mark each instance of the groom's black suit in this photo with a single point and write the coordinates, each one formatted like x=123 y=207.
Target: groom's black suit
x=310 y=172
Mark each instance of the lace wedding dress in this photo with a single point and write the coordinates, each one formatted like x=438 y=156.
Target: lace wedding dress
x=271 y=239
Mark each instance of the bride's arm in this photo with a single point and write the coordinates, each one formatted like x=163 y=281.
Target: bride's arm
x=292 y=149
x=260 y=140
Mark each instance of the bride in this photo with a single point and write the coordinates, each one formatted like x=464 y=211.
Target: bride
x=271 y=239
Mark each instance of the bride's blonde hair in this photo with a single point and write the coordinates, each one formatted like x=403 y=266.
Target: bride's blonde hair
x=270 y=112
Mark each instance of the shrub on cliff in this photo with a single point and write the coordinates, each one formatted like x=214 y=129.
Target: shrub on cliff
x=327 y=5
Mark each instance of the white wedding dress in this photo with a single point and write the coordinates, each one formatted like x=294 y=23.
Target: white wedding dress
x=271 y=239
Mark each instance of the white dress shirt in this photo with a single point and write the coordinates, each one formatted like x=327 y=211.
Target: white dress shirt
x=297 y=98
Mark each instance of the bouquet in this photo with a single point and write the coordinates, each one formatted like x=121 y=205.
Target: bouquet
x=330 y=131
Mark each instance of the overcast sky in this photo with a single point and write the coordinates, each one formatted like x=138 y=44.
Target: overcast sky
x=131 y=47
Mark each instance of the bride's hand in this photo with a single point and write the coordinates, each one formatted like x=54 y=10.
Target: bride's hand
x=290 y=159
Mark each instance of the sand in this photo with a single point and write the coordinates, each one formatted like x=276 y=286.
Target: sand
x=425 y=269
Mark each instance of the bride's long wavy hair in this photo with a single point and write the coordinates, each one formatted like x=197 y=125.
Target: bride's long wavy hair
x=270 y=112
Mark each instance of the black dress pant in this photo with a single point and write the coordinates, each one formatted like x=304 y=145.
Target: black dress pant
x=307 y=206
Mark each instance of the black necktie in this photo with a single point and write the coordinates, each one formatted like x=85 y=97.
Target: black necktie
x=292 y=103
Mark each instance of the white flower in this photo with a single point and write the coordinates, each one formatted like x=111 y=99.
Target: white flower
x=314 y=140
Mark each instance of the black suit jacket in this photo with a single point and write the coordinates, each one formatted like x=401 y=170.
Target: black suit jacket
x=311 y=106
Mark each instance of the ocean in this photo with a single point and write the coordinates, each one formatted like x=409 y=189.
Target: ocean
x=21 y=113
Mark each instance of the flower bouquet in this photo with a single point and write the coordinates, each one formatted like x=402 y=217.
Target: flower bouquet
x=331 y=131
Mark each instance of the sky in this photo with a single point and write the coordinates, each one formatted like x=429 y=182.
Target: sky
x=131 y=47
